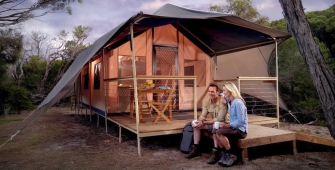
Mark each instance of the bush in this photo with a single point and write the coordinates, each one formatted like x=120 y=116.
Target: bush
x=20 y=99
x=322 y=123
x=15 y=97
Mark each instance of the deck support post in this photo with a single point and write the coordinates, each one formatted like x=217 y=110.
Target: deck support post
x=139 y=145
x=90 y=115
x=98 y=117
x=294 y=143
x=244 y=155
x=120 y=133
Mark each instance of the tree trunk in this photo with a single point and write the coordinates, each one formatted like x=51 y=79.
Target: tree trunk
x=322 y=76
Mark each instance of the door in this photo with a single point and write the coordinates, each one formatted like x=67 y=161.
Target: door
x=165 y=62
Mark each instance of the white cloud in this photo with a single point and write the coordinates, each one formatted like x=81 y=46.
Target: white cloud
x=104 y=15
x=151 y=6
x=265 y=5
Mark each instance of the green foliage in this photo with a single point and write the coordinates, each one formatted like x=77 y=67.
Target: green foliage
x=20 y=99
x=53 y=73
x=295 y=83
x=325 y=53
x=280 y=25
x=34 y=72
x=243 y=9
x=322 y=24
x=322 y=123
x=15 y=97
x=10 y=45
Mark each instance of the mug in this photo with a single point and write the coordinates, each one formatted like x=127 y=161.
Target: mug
x=194 y=122
x=217 y=125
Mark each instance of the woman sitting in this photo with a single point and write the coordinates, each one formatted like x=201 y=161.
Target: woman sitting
x=238 y=126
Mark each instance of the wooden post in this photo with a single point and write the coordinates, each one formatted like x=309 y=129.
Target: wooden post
x=135 y=88
x=244 y=155
x=120 y=134
x=90 y=88
x=294 y=143
x=277 y=84
x=105 y=90
x=98 y=117
x=195 y=98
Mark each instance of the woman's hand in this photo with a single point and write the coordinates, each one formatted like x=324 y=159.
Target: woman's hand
x=223 y=100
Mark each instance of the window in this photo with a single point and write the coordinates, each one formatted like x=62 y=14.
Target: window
x=86 y=78
x=126 y=67
x=189 y=71
x=97 y=76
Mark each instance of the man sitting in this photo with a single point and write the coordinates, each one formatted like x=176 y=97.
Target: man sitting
x=218 y=112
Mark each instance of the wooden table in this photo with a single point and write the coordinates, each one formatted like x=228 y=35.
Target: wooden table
x=145 y=91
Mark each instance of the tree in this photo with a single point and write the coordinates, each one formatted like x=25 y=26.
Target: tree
x=73 y=48
x=243 y=9
x=322 y=76
x=322 y=24
x=10 y=45
x=15 y=11
x=50 y=56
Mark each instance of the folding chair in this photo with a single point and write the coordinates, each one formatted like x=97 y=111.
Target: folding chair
x=143 y=101
x=161 y=105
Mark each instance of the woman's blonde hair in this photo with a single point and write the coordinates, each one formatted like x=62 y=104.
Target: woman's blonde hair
x=233 y=90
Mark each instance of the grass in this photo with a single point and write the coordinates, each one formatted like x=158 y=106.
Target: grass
x=305 y=131
x=3 y=121
x=322 y=123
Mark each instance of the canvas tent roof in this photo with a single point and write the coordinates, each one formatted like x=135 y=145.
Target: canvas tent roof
x=214 y=33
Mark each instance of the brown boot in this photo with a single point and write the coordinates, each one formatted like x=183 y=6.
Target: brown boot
x=215 y=157
x=194 y=152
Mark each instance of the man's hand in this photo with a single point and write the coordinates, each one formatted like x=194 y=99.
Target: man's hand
x=199 y=124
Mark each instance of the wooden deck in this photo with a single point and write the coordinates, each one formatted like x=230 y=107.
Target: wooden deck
x=257 y=135
x=147 y=128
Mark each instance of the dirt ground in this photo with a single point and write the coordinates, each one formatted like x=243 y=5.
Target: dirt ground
x=61 y=140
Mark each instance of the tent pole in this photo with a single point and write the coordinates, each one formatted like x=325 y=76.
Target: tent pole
x=89 y=88
x=277 y=88
x=239 y=84
x=135 y=88
x=74 y=94
x=195 y=107
x=104 y=84
x=81 y=95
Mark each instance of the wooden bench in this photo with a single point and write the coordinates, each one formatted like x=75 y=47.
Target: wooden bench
x=261 y=135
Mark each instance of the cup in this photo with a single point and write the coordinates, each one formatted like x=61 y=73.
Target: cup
x=216 y=125
x=194 y=122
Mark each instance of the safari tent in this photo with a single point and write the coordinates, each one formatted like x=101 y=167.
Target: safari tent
x=179 y=51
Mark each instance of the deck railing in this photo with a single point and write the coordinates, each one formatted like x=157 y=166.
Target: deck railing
x=260 y=94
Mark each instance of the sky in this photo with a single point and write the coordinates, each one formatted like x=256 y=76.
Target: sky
x=104 y=15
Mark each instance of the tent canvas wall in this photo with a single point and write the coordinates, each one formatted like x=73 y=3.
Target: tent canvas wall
x=118 y=63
